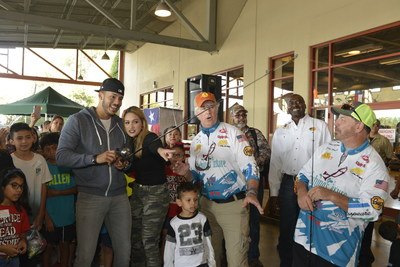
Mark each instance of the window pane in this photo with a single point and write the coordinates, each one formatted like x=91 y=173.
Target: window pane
x=321 y=57
x=320 y=91
x=285 y=70
x=371 y=45
x=170 y=96
x=235 y=77
x=152 y=97
x=368 y=82
x=223 y=80
x=321 y=114
x=160 y=96
x=281 y=90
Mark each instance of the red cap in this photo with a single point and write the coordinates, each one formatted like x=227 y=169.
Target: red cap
x=202 y=97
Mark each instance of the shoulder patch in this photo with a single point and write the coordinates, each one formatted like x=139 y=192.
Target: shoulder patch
x=377 y=202
x=248 y=151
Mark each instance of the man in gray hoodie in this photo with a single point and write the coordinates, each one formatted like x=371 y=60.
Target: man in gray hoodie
x=88 y=144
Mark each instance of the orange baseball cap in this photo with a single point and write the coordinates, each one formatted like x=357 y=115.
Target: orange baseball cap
x=204 y=96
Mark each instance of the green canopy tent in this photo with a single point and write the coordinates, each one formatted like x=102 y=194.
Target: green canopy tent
x=51 y=102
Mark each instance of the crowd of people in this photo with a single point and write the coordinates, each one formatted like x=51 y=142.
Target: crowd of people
x=195 y=204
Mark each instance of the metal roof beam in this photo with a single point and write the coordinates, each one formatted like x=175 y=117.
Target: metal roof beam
x=185 y=21
x=106 y=14
x=107 y=31
x=6 y=6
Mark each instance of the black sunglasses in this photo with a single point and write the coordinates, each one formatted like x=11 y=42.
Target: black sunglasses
x=351 y=108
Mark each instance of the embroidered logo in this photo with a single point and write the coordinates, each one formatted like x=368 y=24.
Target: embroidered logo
x=365 y=158
x=197 y=148
x=223 y=143
x=326 y=155
x=248 y=151
x=223 y=131
x=357 y=171
x=377 y=202
x=360 y=164
x=338 y=173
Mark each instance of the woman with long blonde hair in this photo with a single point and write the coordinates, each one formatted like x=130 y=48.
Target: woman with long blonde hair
x=150 y=197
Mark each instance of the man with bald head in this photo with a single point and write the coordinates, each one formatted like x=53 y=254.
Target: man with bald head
x=292 y=146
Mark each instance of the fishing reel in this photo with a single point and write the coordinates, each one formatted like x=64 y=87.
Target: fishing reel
x=125 y=153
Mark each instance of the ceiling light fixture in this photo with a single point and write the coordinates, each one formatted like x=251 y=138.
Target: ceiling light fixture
x=80 y=77
x=105 y=56
x=368 y=48
x=390 y=61
x=162 y=10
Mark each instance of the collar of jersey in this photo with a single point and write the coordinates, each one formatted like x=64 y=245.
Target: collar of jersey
x=355 y=150
x=207 y=131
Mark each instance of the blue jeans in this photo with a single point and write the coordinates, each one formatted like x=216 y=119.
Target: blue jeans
x=254 y=252
x=10 y=262
x=289 y=212
x=91 y=212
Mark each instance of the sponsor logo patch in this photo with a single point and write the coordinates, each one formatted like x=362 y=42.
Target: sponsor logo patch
x=377 y=202
x=326 y=155
x=223 y=143
x=197 y=148
x=365 y=158
x=248 y=151
x=357 y=171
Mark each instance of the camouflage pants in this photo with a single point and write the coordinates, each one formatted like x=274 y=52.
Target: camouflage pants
x=149 y=208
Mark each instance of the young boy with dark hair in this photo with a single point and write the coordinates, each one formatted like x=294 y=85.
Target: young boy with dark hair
x=37 y=174
x=189 y=234
x=60 y=204
x=34 y=167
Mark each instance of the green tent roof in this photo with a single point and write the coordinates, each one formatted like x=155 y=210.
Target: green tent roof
x=52 y=103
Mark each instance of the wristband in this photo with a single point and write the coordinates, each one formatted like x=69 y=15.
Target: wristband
x=252 y=188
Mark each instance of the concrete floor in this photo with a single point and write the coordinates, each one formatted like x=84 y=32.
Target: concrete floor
x=269 y=232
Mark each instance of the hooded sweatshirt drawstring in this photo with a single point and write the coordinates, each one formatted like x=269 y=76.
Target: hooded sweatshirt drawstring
x=97 y=131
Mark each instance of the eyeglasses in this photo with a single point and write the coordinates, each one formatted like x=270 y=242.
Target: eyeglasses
x=244 y=115
x=351 y=108
x=176 y=155
x=15 y=186
x=208 y=107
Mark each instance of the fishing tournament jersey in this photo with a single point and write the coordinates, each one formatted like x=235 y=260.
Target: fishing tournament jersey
x=358 y=174
x=221 y=159
x=188 y=242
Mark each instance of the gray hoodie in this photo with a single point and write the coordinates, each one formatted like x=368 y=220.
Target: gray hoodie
x=84 y=136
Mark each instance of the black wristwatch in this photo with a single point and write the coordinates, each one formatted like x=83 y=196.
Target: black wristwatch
x=94 y=159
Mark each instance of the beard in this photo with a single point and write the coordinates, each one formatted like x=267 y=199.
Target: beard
x=240 y=125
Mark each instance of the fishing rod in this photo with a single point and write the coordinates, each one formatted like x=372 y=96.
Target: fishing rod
x=126 y=153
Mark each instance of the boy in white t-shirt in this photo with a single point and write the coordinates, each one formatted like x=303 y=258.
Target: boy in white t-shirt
x=188 y=241
x=35 y=169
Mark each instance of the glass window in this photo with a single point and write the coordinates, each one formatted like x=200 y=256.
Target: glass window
x=159 y=98
x=282 y=78
x=232 y=88
x=363 y=67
